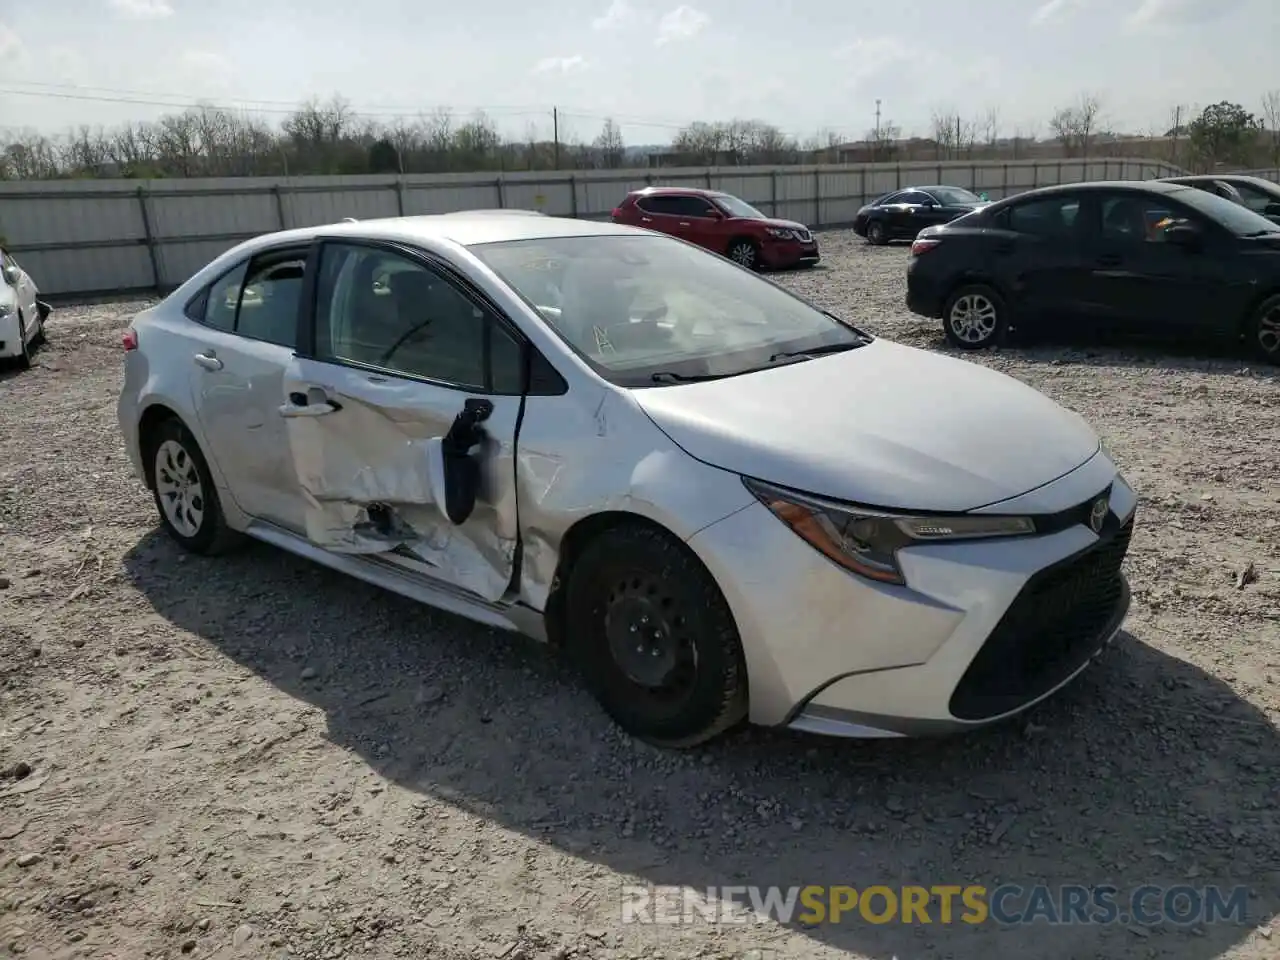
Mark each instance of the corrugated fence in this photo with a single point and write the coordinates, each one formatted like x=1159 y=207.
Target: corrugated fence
x=92 y=237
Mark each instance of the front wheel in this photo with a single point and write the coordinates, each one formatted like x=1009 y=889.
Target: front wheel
x=745 y=253
x=877 y=233
x=23 y=359
x=1263 y=330
x=654 y=638
x=974 y=317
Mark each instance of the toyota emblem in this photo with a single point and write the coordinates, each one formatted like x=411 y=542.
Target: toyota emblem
x=1098 y=514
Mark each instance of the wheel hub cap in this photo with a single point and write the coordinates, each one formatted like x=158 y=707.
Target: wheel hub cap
x=641 y=641
x=179 y=489
x=973 y=318
x=1269 y=332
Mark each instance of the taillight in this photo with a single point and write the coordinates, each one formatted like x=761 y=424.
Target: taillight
x=923 y=246
x=617 y=212
x=130 y=340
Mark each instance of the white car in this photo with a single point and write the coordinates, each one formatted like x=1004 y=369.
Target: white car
x=22 y=316
x=726 y=503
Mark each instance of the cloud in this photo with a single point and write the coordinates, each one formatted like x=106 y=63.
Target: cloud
x=561 y=65
x=142 y=9
x=619 y=13
x=866 y=57
x=10 y=42
x=1054 y=11
x=682 y=23
x=1179 y=13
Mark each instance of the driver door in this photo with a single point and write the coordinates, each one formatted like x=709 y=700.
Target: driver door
x=397 y=348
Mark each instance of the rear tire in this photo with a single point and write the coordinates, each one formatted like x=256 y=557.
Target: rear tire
x=974 y=317
x=1263 y=330
x=185 y=495
x=877 y=233
x=655 y=639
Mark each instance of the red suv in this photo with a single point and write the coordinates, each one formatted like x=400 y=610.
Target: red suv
x=721 y=223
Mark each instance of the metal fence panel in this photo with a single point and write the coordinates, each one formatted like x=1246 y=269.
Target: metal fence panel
x=100 y=236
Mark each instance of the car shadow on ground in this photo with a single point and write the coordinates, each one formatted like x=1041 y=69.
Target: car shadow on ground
x=1147 y=770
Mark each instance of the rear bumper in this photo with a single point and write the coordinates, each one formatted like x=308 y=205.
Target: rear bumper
x=925 y=298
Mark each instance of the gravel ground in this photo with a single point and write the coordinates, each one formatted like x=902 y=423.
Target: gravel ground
x=252 y=756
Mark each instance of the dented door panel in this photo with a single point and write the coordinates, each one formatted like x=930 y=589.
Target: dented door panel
x=370 y=473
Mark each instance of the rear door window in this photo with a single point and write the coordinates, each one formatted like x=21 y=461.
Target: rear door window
x=1047 y=217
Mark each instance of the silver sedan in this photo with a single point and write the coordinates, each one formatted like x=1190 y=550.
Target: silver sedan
x=724 y=502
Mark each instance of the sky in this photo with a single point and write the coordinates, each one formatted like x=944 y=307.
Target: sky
x=654 y=65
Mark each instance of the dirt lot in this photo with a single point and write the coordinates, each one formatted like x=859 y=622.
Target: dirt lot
x=255 y=757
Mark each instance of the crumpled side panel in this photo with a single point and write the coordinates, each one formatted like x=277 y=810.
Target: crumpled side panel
x=373 y=487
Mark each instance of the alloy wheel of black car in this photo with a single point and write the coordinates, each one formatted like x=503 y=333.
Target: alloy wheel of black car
x=1264 y=330
x=655 y=639
x=876 y=233
x=973 y=317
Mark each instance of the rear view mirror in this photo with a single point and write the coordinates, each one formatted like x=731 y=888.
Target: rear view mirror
x=1272 y=210
x=714 y=213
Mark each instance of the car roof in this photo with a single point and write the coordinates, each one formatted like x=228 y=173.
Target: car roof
x=677 y=191
x=467 y=228
x=1225 y=178
x=1139 y=186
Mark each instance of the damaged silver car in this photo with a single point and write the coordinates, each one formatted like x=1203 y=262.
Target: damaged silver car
x=722 y=501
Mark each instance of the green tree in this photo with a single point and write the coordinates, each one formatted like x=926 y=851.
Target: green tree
x=1225 y=133
x=383 y=157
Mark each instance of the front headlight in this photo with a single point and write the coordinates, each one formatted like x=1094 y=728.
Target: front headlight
x=781 y=233
x=867 y=541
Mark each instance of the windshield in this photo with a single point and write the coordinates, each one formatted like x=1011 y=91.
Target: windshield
x=738 y=208
x=636 y=307
x=949 y=195
x=1239 y=220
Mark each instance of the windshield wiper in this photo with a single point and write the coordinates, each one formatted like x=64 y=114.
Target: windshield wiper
x=828 y=348
x=667 y=376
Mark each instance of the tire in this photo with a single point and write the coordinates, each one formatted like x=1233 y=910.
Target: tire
x=178 y=465
x=632 y=578
x=39 y=340
x=1262 y=330
x=745 y=253
x=975 y=317
x=877 y=233
x=23 y=360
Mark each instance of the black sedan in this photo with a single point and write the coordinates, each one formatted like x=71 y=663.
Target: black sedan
x=1146 y=258
x=1260 y=196
x=904 y=213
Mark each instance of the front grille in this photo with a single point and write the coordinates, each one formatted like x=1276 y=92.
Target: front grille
x=1060 y=619
x=804 y=236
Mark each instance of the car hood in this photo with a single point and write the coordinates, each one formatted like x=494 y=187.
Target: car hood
x=882 y=425
x=781 y=224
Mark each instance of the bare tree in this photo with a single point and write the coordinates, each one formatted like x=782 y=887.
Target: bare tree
x=1271 y=120
x=1075 y=126
x=991 y=127
x=609 y=145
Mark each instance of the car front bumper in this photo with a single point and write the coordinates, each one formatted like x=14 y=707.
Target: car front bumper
x=10 y=336
x=982 y=631
x=790 y=253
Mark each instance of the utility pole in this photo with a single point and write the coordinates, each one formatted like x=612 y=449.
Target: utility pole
x=555 y=133
x=875 y=150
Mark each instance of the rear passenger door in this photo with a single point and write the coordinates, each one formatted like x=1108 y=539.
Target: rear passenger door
x=663 y=213
x=249 y=332
x=1039 y=257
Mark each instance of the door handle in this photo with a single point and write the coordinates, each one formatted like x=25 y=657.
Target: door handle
x=1004 y=248
x=684 y=223
x=646 y=219
x=1109 y=260
x=302 y=405
x=208 y=360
